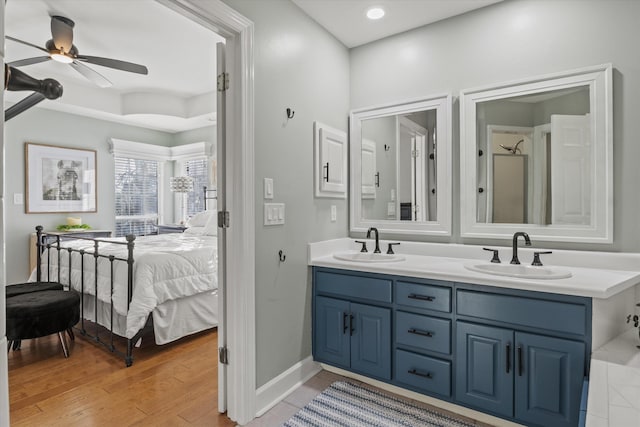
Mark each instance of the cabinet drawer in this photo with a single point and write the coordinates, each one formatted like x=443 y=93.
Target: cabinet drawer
x=369 y=288
x=536 y=313
x=427 y=333
x=423 y=372
x=423 y=296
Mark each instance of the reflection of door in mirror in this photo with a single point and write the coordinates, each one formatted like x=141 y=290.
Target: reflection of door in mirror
x=398 y=167
x=551 y=132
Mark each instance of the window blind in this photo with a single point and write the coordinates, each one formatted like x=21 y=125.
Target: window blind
x=197 y=169
x=136 y=196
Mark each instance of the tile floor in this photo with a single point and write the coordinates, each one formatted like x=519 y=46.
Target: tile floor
x=306 y=392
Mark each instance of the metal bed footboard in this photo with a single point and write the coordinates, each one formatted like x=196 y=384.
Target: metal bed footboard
x=48 y=241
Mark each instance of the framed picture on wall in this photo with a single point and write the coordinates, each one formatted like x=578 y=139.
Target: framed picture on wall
x=59 y=179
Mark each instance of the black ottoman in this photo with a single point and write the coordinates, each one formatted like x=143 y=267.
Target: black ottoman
x=41 y=313
x=25 y=288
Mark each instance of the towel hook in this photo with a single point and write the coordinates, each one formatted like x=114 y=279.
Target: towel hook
x=290 y=113
x=281 y=256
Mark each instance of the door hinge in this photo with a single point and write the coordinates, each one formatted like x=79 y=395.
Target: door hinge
x=223 y=219
x=223 y=82
x=224 y=355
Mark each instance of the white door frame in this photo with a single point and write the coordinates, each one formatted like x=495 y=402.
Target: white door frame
x=238 y=32
x=240 y=255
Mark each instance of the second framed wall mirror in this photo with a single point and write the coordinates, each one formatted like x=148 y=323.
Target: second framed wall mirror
x=400 y=168
x=536 y=156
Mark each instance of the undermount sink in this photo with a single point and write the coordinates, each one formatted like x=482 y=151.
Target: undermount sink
x=368 y=257
x=521 y=271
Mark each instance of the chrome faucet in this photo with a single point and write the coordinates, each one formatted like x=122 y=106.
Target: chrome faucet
x=527 y=241
x=375 y=230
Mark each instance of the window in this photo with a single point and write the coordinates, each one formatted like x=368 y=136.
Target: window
x=136 y=196
x=196 y=169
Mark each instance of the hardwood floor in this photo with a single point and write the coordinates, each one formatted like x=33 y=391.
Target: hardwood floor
x=169 y=385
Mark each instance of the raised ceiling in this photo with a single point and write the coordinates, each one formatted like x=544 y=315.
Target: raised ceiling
x=178 y=93
x=346 y=19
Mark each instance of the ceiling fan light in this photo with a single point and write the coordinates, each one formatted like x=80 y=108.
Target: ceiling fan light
x=61 y=57
x=375 y=13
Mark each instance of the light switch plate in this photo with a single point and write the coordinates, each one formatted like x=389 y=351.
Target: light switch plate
x=18 y=199
x=268 y=188
x=273 y=213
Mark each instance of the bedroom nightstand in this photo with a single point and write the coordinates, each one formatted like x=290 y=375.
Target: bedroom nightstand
x=91 y=234
x=171 y=228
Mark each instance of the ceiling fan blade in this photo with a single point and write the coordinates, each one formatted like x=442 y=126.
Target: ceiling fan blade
x=114 y=63
x=62 y=32
x=22 y=105
x=29 y=61
x=26 y=43
x=91 y=74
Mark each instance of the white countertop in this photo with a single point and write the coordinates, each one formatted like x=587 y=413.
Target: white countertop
x=614 y=384
x=447 y=261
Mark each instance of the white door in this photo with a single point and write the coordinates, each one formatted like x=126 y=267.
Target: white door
x=571 y=164
x=368 y=169
x=333 y=161
x=222 y=207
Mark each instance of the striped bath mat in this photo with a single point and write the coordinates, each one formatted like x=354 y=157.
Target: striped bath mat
x=350 y=405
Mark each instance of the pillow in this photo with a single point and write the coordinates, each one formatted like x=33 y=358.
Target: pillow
x=211 y=227
x=195 y=231
x=200 y=219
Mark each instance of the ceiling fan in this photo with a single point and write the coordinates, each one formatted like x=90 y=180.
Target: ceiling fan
x=61 y=48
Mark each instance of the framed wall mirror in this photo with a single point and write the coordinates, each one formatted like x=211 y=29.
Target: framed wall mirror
x=536 y=156
x=400 y=167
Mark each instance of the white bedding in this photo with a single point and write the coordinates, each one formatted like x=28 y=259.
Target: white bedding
x=167 y=267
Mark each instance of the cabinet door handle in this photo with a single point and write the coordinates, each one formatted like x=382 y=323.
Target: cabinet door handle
x=326 y=167
x=421 y=297
x=344 y=323
x=351 y=328
x=420 y=332
x=520 y=361
x=508 y=357
x=428 y=375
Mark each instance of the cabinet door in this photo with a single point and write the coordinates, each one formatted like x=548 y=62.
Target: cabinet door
x=484 y=367
x=330 y=161
x=331 y=331
x=371 y=341
x=549 y=375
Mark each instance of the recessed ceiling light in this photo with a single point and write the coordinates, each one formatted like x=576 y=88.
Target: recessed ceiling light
x=375 y=13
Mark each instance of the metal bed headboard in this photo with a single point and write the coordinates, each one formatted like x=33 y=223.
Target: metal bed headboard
x=209 y=194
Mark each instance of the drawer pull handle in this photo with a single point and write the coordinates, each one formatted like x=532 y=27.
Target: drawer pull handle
x=421 y=297
x=421 y=333
x=508 y=357
x=420 y=374
x=344 y=323
x=520 y=361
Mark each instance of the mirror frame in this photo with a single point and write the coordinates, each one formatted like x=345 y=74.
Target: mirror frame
x=599 y=80
x=442 y=226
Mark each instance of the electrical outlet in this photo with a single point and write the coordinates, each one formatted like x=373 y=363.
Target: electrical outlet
x=18 y=199
x=334 y=213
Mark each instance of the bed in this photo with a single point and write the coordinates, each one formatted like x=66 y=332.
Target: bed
x=166 y=281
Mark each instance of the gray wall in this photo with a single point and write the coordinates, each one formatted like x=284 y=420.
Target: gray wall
x=297 y=65
x=509 y=41
x=67 y=130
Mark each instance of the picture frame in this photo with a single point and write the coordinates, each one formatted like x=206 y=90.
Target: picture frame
x=60 y=179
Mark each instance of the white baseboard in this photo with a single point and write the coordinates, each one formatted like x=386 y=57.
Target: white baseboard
x=281 y=386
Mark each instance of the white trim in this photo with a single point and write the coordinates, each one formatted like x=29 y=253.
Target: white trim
x=138 y=150
x=238 y=31
x=192 y=151
x=273 y=392
x=599 y=80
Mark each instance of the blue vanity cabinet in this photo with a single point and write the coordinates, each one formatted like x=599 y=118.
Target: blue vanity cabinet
x=352 y=334
x=484 y=367
x=522 y=354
